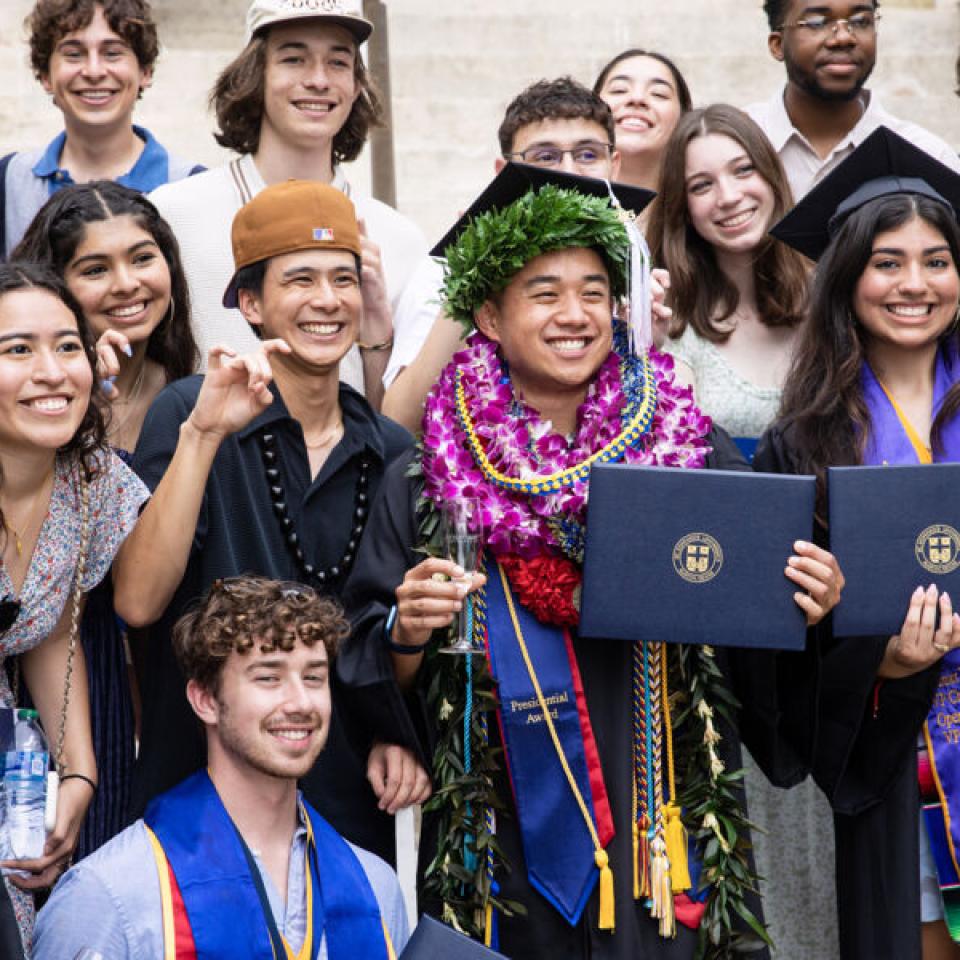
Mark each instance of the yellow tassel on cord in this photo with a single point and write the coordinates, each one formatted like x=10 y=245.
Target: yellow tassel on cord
x=488 y=925
x=675 y=836
x=606 y=890
x=636 y=860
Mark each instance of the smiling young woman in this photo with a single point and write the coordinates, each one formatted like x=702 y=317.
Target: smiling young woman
x=66 y=504
x=738 y=295
x=647 y=95
x=876 y=380
x=120 y=261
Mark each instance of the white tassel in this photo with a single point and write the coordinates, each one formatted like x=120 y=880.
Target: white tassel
x=639 y=298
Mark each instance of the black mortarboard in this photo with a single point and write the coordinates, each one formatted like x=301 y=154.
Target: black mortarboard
x=433 y=939
x=515 y=179
x=882 y=165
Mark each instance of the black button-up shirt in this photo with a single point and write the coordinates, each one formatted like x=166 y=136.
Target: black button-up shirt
x=238 y=532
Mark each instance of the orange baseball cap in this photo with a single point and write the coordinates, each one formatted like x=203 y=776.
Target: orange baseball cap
x=295 y=215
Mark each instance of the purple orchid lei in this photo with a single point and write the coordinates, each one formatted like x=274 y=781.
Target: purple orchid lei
x=520 y=443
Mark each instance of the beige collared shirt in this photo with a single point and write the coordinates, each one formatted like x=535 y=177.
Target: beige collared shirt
x=803 y=164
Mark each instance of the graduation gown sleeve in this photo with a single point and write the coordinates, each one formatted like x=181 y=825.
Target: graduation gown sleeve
x=364 y=663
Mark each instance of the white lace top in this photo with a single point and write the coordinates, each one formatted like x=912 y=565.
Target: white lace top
x=742 y=408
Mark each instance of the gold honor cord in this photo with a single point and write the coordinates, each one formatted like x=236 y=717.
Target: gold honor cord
x=554 y=482
x=601 y=858
x=923 y=452
x=166 y=897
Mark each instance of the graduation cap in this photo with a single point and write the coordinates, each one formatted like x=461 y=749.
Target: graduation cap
x=517 y=179
x=883 y=165
x=527 y=211
x=433 y=939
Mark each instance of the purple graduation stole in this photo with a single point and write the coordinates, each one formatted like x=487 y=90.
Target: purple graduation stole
x=889 y=442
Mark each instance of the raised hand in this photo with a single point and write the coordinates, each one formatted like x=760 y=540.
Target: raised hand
x=235 y=389
x=110 y=344
x=377 y=324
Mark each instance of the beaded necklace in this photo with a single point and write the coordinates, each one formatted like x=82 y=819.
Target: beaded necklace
x=278 y=497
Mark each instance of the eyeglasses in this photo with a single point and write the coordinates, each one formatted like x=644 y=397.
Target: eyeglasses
x=858 y=25
x=9 y=611
x=584 y=154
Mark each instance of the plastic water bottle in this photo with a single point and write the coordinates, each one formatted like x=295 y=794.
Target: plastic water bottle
x=25 y=788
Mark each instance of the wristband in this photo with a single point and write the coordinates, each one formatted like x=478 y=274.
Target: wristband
x=79 y=776
x=401 y=648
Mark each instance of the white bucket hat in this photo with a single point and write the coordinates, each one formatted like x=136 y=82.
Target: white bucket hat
x=344 y=13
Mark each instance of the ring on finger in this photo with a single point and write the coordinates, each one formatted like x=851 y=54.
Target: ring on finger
x=941 y=646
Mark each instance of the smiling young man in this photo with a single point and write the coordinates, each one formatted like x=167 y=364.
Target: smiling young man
x=558 y=124
x=267 y=465
x=94 y=58
x=233 y=861
x=296 y=103
x=829 y=48
x=538 y=738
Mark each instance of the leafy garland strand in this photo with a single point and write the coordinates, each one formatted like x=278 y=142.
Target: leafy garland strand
x=711 y=797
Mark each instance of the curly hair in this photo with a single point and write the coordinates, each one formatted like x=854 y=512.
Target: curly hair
x=88 y=445
x=823 y=405
x=51 y=20
x=701 y=294
x=560 y=99
x=683 y=91
x=59 y=228
x=239 y=613
x=237 y=100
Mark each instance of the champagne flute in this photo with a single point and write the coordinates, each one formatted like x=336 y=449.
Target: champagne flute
x=463 y=543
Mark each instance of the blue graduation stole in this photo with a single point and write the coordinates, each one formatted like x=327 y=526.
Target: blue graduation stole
x=562 y=852
x=222 y=893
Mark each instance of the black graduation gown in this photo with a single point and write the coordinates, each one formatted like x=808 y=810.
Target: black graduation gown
x=365 y=665
x=865 y=760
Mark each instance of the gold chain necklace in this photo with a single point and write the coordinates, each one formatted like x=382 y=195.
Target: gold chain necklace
x=18 y=537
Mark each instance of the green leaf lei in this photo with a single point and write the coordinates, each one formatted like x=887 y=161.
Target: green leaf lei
x=498 y=244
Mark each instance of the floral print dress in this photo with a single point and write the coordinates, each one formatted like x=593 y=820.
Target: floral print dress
x=116 y=496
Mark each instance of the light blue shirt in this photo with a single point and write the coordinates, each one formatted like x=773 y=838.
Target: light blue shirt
x=110 y=902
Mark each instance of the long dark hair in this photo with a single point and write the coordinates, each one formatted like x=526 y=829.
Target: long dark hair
x=823 y=406
x=701 y=293
x=59 y=228
x=88 y=444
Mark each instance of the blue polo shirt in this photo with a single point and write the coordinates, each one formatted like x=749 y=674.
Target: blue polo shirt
x=151 y=170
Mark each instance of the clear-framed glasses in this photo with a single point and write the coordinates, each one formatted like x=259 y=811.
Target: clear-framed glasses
x=546 y=155
x=859 y=25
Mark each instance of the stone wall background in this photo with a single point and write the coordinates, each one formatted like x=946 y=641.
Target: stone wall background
x=456 y=64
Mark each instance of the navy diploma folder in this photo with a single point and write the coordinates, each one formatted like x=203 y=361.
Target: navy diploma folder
x=892 y=529
x=694 y=556
x=433 y=940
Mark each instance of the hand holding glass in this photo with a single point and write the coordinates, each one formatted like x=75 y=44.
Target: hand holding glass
x=462 y=538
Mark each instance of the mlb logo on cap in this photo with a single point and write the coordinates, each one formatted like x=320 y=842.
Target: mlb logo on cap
x=323 y=234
